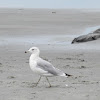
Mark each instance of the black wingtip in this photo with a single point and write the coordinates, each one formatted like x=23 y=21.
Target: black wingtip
x=68 y=74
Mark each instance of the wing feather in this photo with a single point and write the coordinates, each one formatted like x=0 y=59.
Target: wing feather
x=48 y=67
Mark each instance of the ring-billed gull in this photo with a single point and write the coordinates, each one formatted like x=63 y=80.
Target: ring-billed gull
x=43 y=67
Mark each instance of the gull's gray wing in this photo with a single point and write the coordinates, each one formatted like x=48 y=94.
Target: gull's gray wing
x=48 y=67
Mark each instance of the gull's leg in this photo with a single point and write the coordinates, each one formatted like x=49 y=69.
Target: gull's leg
x=38 y=81
x=48 y=82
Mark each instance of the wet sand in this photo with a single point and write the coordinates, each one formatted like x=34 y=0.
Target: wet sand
x=52 y=33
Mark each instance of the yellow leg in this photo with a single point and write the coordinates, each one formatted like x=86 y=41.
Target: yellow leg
x=38 y=81
x=48 y=82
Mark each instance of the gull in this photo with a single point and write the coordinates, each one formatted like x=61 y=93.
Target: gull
x=43 y=67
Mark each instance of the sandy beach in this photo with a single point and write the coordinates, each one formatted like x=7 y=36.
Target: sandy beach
x=52 y=31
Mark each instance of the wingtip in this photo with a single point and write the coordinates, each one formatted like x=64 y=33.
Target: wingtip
x=68 y=75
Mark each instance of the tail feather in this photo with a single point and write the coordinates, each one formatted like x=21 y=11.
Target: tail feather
x=67 y=74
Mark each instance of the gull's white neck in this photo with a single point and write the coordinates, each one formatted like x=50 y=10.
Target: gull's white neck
x=33 y=60
x=34 y=56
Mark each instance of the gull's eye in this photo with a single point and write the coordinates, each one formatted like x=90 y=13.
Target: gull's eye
x=32 y=49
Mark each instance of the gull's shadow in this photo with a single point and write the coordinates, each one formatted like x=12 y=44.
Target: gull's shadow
x=53 y=86
x=33 y=85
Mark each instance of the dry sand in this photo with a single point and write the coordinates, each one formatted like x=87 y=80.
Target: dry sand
x=52 y=31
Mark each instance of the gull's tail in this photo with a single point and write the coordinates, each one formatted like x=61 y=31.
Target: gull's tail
x=67 y=75
x=61 y=73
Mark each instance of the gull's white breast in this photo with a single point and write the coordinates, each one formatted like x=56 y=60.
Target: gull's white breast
x=35 y=69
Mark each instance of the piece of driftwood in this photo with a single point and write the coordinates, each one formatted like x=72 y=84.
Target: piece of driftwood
x=89 y=37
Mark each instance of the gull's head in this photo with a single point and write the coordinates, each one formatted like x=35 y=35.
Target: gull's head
x=33 y=50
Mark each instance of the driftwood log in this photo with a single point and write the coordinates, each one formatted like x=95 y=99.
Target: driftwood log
x=89 y=37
